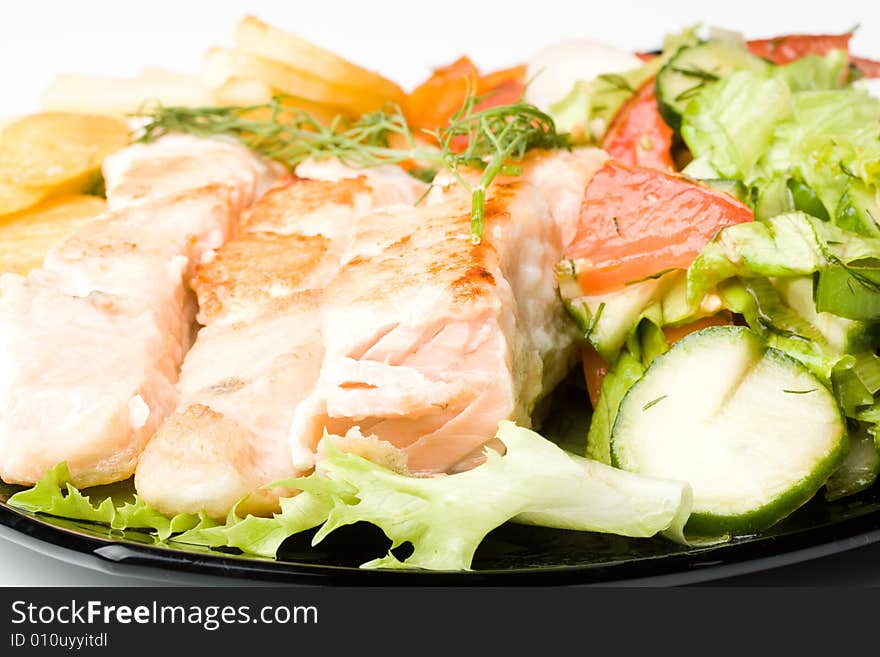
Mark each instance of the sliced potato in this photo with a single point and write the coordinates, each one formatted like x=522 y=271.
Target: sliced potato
x=26 y=236
x=52 y=148
x=88 y=94
x=15 y=197
x=222 y=66
x=257 y=38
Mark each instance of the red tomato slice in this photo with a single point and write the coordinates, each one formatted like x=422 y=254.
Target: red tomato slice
x=637 y=222
x=435 y=101
x=595 y=369
x=786 y=49
x=869 y=67
x=639 y=135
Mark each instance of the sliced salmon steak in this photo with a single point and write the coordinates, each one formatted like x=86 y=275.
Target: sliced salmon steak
x=260 y=352
x=560 y=176
x=93 y=340
x=430 y=341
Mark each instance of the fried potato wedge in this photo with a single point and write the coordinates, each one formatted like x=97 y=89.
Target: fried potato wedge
x=222 y=65
x=54 y=148
x=121 y=96
x=255 y=92
x=255 y=37
x=26 y=236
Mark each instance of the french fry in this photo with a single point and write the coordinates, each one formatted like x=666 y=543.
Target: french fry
x=257 y=38
x=53 y=149
x=119 y=97
x=26 y=236
x=222 y=66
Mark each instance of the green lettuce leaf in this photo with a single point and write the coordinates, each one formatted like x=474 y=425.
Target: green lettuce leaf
x=445 y=518
x=54 y=495
x=588 y=109
x=815 y=72
x=731 y=123
x=794 y=244
x=859 y=470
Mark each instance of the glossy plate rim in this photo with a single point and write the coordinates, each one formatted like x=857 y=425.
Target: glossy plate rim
x=163 y=564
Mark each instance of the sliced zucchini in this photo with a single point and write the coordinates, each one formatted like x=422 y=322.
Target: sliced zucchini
x=607 y=320
x=692 y=68
x=751 y=429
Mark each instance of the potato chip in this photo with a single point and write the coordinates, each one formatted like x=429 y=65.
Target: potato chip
x=26 y=236
x=15 y=197
x=50 y=149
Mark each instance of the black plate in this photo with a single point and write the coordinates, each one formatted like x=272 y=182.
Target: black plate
x=510 y=555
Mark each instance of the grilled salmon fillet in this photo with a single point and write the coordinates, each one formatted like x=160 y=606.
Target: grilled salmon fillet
x=430 y=341
x=260 y=352
x=93 y=340
x=560 y=176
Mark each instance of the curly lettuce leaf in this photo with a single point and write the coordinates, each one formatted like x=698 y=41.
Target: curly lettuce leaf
x=445 y=518
x=54 y=495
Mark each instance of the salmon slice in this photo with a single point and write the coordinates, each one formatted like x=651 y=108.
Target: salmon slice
x=260 y=352
x=238 y=388
x=179 y=163
x=560 y=176
x=93 y=340
x=430 y=341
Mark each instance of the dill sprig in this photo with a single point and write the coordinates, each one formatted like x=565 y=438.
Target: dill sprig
x=496 y=139
x=490 y=141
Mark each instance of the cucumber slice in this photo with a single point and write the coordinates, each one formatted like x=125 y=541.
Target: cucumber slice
x=751 y=429
x=692 y=68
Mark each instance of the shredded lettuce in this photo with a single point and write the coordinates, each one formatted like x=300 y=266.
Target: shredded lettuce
x=815 y=72
x=732 y=122
x=796 y=136
x=444 y=518
x=794 y=244
x=588 y=109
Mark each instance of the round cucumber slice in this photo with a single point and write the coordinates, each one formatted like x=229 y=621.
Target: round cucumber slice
x=688 y=71
x=751 y=429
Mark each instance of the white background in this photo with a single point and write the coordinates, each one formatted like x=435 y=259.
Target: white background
x=39 y=39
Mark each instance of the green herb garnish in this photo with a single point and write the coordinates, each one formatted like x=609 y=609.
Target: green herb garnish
x=490 y=140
